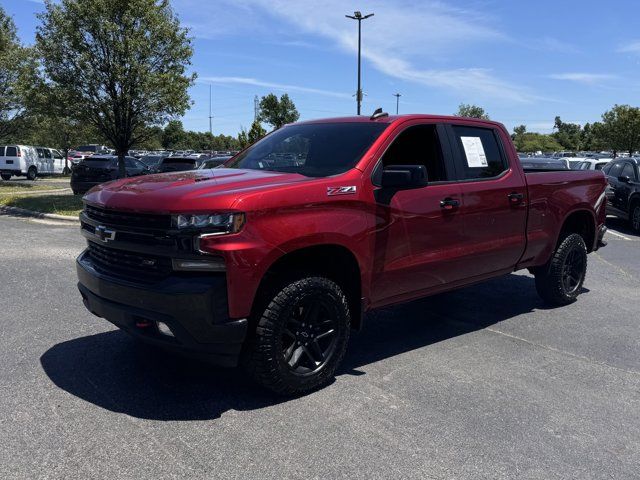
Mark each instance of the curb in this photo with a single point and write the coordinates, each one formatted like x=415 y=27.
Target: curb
x=21 y=212
x=35 y=193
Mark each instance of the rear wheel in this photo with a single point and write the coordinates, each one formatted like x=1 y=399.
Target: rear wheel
x=301 y=337
x=32 y=173
x=634 y=217
x=560 y=281
x=6 y=176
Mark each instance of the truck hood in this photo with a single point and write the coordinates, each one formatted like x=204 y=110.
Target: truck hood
x=193 y=191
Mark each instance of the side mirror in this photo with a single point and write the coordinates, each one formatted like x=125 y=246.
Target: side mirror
x=404 y=177
x=624 y=179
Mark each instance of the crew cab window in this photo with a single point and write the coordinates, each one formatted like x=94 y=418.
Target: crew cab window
x=418 y=145
x=628 y=171
x=480 y=151
x=47 y=153
x=615 y=169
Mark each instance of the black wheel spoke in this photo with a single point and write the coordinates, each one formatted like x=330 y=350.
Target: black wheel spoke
x=325 y=334
x=289 y=351
x=295 y=357
x=311 y=356
x=289 y=333
x=317 y=351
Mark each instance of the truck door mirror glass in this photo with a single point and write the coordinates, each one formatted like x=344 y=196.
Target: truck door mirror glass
x=403 y=177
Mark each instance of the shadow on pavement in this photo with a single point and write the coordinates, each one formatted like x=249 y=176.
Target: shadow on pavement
x=620 y=226
x=115 y=372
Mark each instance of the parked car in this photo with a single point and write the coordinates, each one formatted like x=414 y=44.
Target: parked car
x=98 y=169
x=543 y=163
x=75 y=157
x=279 y=261
x=213 y=162
x=593 y=164
x=177 y=164
x=93 y=149
x=50 y=161
x=18 y=160
x=152 y=161
x=623 y=192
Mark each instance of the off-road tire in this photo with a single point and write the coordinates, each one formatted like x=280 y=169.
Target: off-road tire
x=265 y=358
x=5 y=176
x=634 y=216
x=560 y=281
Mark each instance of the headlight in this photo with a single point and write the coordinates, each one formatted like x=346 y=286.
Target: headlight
x=218 y=223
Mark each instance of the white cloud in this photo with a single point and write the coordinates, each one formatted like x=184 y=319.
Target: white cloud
x=276 y=86
x=552 y=44
x=631 y=47
x=399 y=40
x=584 y=78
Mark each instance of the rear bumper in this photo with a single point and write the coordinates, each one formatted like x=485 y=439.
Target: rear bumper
x=84 y=187
x=194 y=308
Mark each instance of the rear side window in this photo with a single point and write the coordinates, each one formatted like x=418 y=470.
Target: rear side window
x=628 y=171
x=12 y=152
x=1 y=151
x=481 y=153
x=615 y=169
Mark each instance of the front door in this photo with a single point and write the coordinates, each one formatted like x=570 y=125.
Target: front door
x=419 y=230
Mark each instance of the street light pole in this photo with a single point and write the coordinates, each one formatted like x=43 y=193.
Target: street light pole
x=359 y=17
x=397 y=95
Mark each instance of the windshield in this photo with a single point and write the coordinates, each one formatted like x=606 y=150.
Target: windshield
x=313 y=150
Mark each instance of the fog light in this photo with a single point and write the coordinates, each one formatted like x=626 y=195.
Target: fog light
x=209 y=265
x=164 y=329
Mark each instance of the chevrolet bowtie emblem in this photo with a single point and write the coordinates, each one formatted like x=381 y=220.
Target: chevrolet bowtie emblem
x=104 y=234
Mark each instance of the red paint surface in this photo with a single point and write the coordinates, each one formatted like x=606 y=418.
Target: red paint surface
x=406 y=249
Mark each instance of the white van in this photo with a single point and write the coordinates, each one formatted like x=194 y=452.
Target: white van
x=50 y=161
x=18 y=160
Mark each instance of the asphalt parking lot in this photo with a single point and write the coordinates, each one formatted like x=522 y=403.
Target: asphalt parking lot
x=480 y=383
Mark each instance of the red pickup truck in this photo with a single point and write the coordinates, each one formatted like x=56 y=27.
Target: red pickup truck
x=271 y=260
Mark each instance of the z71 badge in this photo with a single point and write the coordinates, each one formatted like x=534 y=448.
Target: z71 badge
x=350 y=190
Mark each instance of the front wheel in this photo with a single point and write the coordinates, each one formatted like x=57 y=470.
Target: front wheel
x=635 y=217
x=560 y=281
x=301 y=337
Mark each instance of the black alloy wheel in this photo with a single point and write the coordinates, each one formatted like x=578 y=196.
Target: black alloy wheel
x=309 y=337
x=300 y=336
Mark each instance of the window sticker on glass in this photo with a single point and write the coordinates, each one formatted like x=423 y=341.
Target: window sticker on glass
x=474 y=151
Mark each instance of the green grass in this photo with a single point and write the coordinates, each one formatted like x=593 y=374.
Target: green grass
x=28 y=187
x=70 y=205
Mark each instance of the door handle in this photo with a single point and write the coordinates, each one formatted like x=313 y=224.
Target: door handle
x=449 y=203
x=515 y=198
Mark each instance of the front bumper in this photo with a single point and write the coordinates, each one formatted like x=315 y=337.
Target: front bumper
x=194 y=308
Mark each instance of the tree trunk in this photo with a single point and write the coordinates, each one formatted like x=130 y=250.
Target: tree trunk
x=122 y=171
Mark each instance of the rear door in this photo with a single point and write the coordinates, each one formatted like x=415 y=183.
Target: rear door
x=613 y=195
x=494 y=200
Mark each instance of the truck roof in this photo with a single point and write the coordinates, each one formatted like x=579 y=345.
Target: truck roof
x=395 y=118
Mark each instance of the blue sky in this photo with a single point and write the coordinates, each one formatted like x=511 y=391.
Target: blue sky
x=524 y=62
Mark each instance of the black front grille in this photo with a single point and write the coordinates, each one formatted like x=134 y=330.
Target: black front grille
x=127 y=219
x=126 y=264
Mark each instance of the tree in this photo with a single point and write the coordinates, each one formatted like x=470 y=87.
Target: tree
x=621 y=128
x=173 y=135
x=256 y=132
x=568 y=135
x=471 y=111
x=277 y=112
x=120 y=64
x=17 y=71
